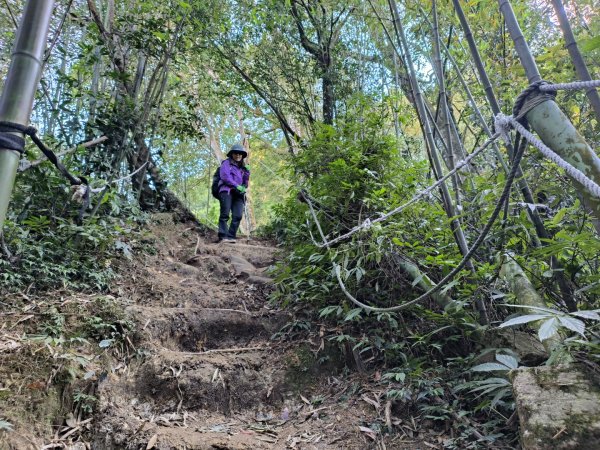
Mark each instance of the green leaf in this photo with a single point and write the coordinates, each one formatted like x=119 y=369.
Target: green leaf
x=573 y=324
x=489 y=367
x=537 y=308
x=523 y=319
x=592 y=314
x=501 y=393
x=588 y=45
x=559 y=216
x=548 y=329
x=352 y=314
x=507 y=360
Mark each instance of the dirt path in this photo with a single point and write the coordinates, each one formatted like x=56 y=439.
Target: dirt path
x=212 y=377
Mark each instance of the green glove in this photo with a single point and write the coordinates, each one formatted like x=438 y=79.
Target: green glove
x=241 y=189
x=247 y=167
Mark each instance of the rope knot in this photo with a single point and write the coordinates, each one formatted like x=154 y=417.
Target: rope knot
x=367 y=224
x=79 y=192
x=531 y=97
x=503 y=125
x=30 y=131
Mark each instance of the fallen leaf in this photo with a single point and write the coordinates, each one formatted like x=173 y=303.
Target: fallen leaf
x=369 y=432
x=370 y=401
x=152 y=442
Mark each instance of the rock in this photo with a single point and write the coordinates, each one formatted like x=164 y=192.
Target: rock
x=558 y=407
x=262 y=281
x=242 y=268
x=527 y=345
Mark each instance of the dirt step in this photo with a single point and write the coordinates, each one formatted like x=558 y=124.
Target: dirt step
x=223 y=382
x=223 y=268
x=191 y=437
x=257 y=255
x=198 y=329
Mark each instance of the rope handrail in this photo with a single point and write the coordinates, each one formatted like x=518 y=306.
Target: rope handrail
x=501 y=201
x=503 y=123
x=526 y=101
x=573 y=86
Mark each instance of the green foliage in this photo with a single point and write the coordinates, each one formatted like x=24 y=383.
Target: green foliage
x=48 y=247
x=108 y=325
x=85 y=402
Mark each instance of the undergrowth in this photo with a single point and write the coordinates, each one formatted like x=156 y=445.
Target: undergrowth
x=426 y=355
x=51 y=241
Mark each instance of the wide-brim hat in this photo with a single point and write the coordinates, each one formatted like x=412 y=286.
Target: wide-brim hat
x=237 y=148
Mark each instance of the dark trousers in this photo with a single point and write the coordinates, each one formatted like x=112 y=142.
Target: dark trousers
x=230 y=204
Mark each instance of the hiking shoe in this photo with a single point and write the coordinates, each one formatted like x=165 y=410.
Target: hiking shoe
x=229 y=240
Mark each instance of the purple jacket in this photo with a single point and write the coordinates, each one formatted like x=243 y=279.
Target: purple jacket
x=232 y=176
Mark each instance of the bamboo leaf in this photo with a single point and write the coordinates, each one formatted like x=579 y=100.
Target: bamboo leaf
x=589 y=45
x=592 y=314
x=352 y=314
x=523 y=319
x=508 y=360
x=501 y=393
x=537 y=308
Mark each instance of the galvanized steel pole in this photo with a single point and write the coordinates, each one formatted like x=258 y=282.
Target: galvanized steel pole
x=20 y=86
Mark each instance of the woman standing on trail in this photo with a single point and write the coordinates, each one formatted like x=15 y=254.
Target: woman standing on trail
x=234 y=175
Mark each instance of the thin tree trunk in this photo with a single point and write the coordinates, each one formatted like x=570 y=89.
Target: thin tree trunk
x=447 y=200
x=245 y=143
x=576 y=57
x=564 y=284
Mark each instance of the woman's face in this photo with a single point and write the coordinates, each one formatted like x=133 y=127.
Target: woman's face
x=237 y=157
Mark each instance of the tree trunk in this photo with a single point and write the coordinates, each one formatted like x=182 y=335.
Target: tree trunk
x=524 y=292
x=576 y=57
x=553 y=127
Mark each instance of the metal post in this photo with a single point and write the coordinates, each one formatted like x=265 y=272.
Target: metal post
x=21 y=83
x=551 y=125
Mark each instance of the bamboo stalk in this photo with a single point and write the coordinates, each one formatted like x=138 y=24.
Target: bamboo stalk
x=420 y=106
x=576 y=57
x=563 y=283
x=552 y=126
x=524 y=292
x=20 y=86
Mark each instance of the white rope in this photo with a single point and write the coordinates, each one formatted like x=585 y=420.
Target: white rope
x=96 y=190
x=573 y=172
x=368 y=223
x=574 y=86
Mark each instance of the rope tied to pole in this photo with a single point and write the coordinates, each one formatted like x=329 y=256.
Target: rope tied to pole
x=573 y=172
x=9 y=141
x=531 y=97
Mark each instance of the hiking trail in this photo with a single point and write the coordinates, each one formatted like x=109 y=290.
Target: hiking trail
x=212 y=376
